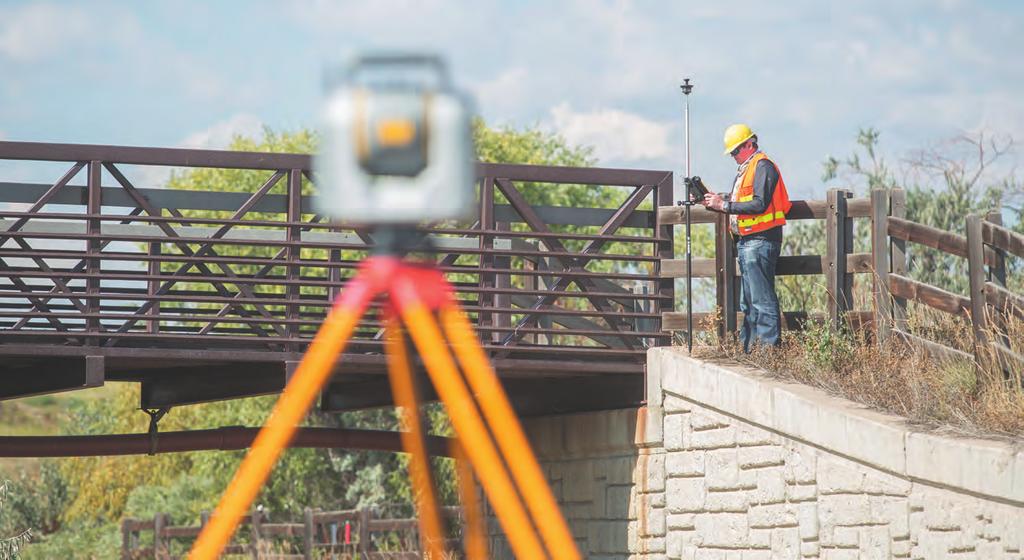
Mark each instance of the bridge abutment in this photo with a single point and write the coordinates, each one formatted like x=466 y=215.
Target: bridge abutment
x=726 y=463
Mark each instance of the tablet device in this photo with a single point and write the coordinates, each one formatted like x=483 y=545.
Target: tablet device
x=696 y=188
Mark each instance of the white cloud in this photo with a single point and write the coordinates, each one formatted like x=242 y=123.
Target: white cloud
x=219 y=135
x=616 y=136
x=35 y=31
x=504 y=93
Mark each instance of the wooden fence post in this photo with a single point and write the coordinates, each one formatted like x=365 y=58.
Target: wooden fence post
x=838 y=240
x=307 y=534
x=725 y=282
x=880 y=263
x=126 y=540
x=976 y=277
x=997 y=276
x=158 y=536
x=898 y=256
x=254 y=531
x=363 y=546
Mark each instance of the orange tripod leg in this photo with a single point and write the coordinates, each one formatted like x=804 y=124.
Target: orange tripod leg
x=400 y=374
x=509 y=434
x=466 y=420
x=309 y=377
x=474 y=532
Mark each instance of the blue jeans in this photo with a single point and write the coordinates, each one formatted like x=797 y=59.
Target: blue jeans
x=762 y=321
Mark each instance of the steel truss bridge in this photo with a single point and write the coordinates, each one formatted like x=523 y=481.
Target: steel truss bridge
x=202 y=294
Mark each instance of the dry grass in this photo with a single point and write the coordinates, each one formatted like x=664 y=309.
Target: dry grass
x=968 y=397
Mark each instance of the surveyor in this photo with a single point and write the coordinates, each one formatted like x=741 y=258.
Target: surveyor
x=757 y=210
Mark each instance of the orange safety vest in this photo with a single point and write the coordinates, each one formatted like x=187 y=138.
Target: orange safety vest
x=743 y=190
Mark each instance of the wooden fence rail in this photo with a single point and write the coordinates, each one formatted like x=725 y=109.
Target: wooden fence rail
x=986 y=246
x=323 y=534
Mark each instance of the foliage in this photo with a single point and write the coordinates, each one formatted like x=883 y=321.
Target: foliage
x=944 y=184
x=11 y=544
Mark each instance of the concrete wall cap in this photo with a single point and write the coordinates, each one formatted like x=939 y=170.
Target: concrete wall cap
x=987 y=467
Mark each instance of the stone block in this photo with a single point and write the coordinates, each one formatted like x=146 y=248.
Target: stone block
x=785 y=543
x=772 y=516
x=650 y=427
x=839 y=554
x=546 y=435
x=723 y=530
x=809 y=549
x=655 y=545
x=673 y=404
x=875 y=543
x=685 y=495
x=735 y=501
x=675 y=426
x=878 y=482
x=801 y=466
x=722 y=468
x=759 y=538
x=801 y=492
x=844 y=509
x=840 y=477
x=655 y=472
x=771 y=487
x=716 y=438
x=846 y=537
x=680 y=521
x=710 y=554
x=747 y=435
x=703 y=419
x=894 y=512
x=807 y=517
x=578 y=482
x=656 y=522
x=685 y=463
x=760 y=457
x=756 y=555
x=608 y=536
x=619 y=470
x=616 y=500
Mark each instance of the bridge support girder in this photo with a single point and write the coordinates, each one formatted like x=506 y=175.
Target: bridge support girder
x=23 y=377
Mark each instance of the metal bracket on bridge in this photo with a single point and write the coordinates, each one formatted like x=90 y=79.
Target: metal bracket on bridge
x=155 y=414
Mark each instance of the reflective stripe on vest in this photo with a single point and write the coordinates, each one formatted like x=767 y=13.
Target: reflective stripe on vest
x=775 y=214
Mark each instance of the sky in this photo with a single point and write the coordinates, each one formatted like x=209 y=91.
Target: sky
x=806 y=75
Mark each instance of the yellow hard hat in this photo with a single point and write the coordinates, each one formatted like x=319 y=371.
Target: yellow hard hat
x=736 y=135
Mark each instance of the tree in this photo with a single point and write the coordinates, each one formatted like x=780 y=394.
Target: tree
x=944 y=184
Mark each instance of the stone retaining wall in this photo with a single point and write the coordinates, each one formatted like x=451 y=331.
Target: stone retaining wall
x=741 y=466
x=589 y=459
x=726 y=464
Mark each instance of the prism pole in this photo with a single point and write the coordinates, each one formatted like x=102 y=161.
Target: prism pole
x=687 y=88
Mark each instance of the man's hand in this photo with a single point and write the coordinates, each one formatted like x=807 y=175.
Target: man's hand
x=714 y=201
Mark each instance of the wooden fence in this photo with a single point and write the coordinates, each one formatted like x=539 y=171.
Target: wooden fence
x=838 y=265
x=986 y=247
x=325 y=535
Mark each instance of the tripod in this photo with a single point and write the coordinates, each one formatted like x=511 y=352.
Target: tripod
x=420 y=304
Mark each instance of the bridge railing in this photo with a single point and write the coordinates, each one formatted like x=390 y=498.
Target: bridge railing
x=96 y=258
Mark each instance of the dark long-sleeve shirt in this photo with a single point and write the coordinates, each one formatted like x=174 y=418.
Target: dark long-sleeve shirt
x=766 y=176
